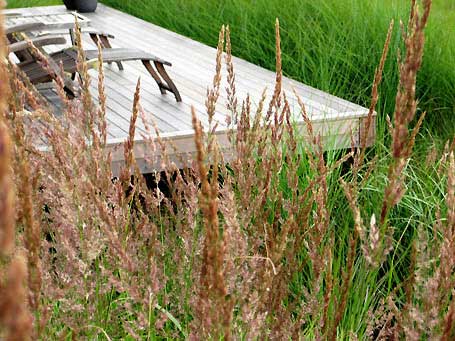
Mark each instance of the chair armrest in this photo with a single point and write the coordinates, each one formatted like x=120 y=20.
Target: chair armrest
x=92 y=30
x=25 y=27
x=84 y=30
x=38 y=42
x=12 y=14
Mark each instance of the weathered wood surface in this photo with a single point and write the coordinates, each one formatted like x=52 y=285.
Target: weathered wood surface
x=68 y=59
x=193 y=67
x=51 y=20
x=38 y=42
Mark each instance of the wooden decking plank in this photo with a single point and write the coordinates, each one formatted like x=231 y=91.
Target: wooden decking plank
x=149 y=90
x=53 y=98
x=241 y=94
x=165 y=106
x=193 y=88
x=122 y=78
x=113 y=11
x=242 y=82
x=245 y=68
x=125 y=100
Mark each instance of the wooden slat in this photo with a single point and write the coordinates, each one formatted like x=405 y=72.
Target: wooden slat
x=51 y=20
x=124 y=54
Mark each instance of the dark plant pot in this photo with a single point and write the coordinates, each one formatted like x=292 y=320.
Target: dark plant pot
x=82 y=6
x=70 y=5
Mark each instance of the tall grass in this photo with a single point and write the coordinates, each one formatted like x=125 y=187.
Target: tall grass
x=285 y=241
x=15 y=316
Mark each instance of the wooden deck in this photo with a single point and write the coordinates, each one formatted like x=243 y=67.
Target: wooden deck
x=193 y=67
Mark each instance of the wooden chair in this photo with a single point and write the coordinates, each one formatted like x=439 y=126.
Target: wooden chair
x=40 y=29
x=68 y=59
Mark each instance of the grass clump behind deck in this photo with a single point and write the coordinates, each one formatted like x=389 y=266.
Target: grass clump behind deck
x=32 y=3
x=333 y=45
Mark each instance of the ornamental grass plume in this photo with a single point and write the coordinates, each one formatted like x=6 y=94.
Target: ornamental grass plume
x=84 y=78
x=6 y=191
x=101 y=115
x=232 y=101
x=128 y=149
x=16 y=322
x=6 y=184
x=213 y=306
x=373 y=250
x=429 y=310
x=15 y=318
x=405 y=106
x=26 y=216
x=26 y=220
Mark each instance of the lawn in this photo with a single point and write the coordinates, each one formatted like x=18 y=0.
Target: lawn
x=32 y=3
x=286 y=241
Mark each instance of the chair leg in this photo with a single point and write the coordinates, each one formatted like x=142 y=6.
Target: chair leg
x=72 y=36
x=155 y=76
x=70 y=91
x=105 y=43
x=168 y=80
x=96 y=39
